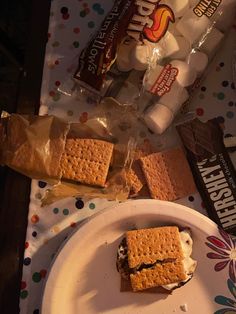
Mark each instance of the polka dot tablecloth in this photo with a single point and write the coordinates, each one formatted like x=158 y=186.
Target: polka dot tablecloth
x=71 y=24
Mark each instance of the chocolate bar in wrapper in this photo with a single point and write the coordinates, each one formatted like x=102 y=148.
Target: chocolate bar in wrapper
x=212 y=169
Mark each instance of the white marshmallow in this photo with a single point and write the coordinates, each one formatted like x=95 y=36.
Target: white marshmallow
x=175 y=98
x=140 y=56
x=151 y=77
x=198 y=60
x=172 y=28
x=211 y=41
x=184 y=48
x=193 y=27
x=186 y=75
x=158 y=118
x=179 y=7
x=123 y=55
x=168 y=45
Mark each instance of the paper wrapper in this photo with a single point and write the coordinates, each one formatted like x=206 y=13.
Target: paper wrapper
x=33 y=146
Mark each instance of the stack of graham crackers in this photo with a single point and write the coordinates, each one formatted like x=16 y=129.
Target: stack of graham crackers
x=86 y=161
x=165 y=175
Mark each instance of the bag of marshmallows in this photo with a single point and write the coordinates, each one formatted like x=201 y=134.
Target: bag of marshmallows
x=152 y=53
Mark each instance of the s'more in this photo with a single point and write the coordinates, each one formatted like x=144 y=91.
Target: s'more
x=156 y=258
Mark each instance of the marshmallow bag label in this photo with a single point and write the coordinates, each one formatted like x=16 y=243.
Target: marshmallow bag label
x=206 y=7
x=128 y=18
x=165 y=80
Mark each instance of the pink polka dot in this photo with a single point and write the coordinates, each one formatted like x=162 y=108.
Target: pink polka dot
x=76 y=30
x=200 y=112
x=26 y=245
x=23 y=285
x=43 y=273
x=65 y=16
x=56 y=62
x=52 y=93
x=57 y=83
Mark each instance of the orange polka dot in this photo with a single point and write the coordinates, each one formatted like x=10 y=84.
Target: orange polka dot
x=35 y=219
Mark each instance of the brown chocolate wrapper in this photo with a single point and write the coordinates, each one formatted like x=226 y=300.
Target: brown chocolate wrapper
x=98 y=56
x=34 y=145
x=212 y=170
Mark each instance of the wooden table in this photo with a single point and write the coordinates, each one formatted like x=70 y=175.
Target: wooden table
x=15 y=188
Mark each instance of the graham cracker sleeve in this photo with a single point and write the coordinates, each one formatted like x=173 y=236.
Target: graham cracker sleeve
x=33 y=145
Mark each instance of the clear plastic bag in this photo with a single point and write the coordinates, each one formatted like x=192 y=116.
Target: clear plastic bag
x=152 y=54
x=35 y=146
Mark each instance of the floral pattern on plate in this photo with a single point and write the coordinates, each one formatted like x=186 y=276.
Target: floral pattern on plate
x=226 y=301
x=225 y=251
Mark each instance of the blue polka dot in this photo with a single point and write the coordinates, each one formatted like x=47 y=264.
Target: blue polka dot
x=230 y=114
x=65 y=211
x=96 y=6
x=42 y=184
x=220 y=119
x=27 y=261
x=79 y=204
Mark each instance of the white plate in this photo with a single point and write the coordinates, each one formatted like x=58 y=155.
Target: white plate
x=84 y=279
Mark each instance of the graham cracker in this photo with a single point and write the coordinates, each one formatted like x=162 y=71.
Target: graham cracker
x=86 y=161
x=146 y=246
x=168 y=175
x=179 y=172
x=161 y=274
x=157 y=177
x=135 y=175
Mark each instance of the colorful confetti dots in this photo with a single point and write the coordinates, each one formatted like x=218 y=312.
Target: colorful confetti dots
x=91 y=24
x=36 y=311
x=35 y=219
x=221 y=96
x=24 y=294
x=203 y=88
x=76 y=30
x=26 y=245
x=76 y=44
x=23 y=285
x=230 y=114
x=225 y=83
x=220 y=119
x=92 y=206
x=34 y=234
x=42 y=184
x=55 y=210
x=65 y=211
x=64 y=10
x=36 y=277
x=27 y=261
x=191 y=198
x=57 y=83
x=43 y=273
x=79 y=204
x=66 y=16
x=200 y=112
